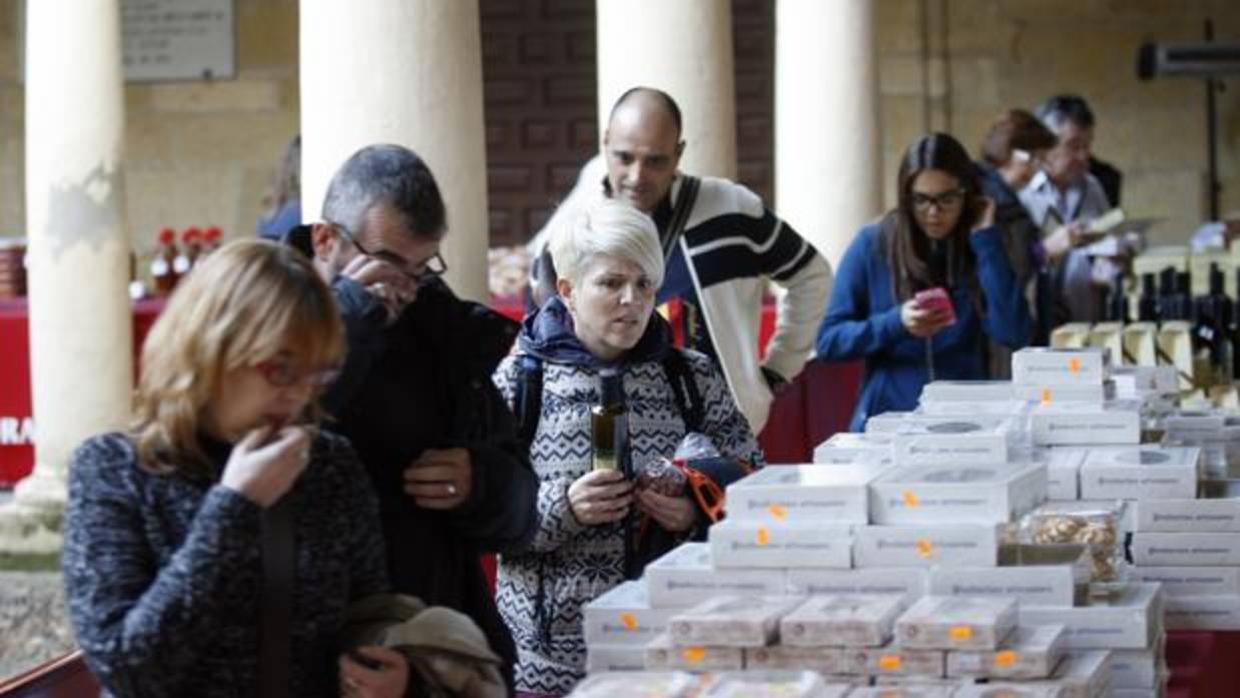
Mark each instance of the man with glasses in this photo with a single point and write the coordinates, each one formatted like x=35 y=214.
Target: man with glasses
x=1061 y=198
x=415 y=394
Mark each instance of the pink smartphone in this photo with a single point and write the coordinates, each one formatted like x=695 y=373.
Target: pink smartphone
x=936 y=299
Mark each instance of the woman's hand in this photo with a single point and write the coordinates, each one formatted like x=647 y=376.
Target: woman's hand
x=923 y=322
x=385 y=677
x=264 y=473
x=985 y=213
x=600 y=497
x=674 y=514
x=1060 y=242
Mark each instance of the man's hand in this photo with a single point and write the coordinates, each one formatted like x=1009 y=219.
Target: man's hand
x=1065 y=237
x=384 y=281
x=923 y=322
x=674 y=514
x=600 y=497
x=440 y=478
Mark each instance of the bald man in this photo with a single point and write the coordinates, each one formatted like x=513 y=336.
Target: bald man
x=720 y=242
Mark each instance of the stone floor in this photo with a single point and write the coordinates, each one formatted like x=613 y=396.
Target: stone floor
x=34 y=624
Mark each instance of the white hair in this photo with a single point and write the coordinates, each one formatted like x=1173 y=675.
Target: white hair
x=612 y=228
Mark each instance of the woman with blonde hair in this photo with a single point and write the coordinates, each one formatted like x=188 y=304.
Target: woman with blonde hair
x=213 y=547
x=588 y=540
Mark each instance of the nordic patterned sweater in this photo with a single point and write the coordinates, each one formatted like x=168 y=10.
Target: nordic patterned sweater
x=541 y=591
x=163 y=573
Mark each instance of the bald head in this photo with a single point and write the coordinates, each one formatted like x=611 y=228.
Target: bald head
x=642 y=147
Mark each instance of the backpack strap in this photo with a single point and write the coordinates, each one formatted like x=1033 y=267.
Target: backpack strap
x=680 y=213
x=527 y=396
x=685 y=389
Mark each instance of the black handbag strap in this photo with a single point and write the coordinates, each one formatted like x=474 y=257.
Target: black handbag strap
x=680 y=213
x=275 y=652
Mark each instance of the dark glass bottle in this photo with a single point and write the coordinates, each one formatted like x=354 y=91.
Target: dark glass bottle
x=1117 y=301
x=1147 y=304
x=609 y=429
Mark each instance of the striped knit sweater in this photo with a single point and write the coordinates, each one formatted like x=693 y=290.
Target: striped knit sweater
x=572 y=563
x=163 y=573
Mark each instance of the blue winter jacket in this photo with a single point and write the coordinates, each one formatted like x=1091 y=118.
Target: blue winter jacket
x=863 y=321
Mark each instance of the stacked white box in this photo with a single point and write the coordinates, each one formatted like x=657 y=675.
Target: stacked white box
x=850 y=447
x=605 y=658
x=624 y=617
x=1095 y=393
x=956 y=494
x=966 y=391
x=780 y=544
x=1203 y=612
x=1054 y=366
x=946 y=690
x=1029 y=652
x=1083 y=674
x=926 y=546
x=773 y=684
x=1131 y=618
x=731 y=621
x=952 y=623
x=662 y=654
x=1185 y=549
x=848 y=620
x=1007 y=690
x=663 y=684
x=685 y=576
x=1063 y=471
x=826 y=660
x=1033 y=575
x=954 y=440
x=1140 y=472
x=804 y=493
x=1139 y=668
x=907 y=583
x=1084 y=424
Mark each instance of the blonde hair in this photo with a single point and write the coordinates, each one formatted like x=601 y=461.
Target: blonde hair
x=608 y=227
x=242 y=305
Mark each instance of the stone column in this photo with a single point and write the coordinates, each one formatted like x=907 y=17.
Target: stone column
x=78 y=255
x=683 y=47
x=406 y=72
x=828 y=167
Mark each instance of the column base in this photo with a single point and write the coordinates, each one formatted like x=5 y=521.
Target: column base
x=31 y=524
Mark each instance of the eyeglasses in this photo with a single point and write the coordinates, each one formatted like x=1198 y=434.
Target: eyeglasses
x=429 y=268
x=946 y=200
x=281 y=374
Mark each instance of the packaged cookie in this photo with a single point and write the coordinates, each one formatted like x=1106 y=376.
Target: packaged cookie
x=731 y=621
x=851 y=621
x=1095 y=525
x=956 y=623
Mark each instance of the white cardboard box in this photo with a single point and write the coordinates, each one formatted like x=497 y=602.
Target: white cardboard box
x=685 y=576
x=1004 y=689
x=1191 y=581
x=1188 y=515
x=1139 y=668
x=953 y=440
x=769 y=684
x=624 y=617
x=1053 y=366
x=952 y=622
x=804 y=493
x=601 y=658
x=1063 y=471
x=824 y=660
x=1194 y=426
x=1129 y=620
x=860 y=447
x=731 y=621
x=662 y=654
x=905 y=691
x=901 y=661
x=1140 y=472
x=967 y=391
x=860 y=620
x=956 y=494
x=1095 y=393
x=909 y=583
x=1030 y=652
x=1083 y=424
x=926 y=546
x=1185 y=549
x=887 y=422
x=1050 y=576
x=1083 y=674
x=1203 y=612
x=669 y=684
x=780 y=544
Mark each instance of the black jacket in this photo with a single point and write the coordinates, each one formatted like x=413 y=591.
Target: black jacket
x=425 y=382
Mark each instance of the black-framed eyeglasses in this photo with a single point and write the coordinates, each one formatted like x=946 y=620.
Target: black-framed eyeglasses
x=945 y=200
x=429 y=268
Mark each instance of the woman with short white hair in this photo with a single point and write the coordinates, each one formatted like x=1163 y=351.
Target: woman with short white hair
x=610 y=264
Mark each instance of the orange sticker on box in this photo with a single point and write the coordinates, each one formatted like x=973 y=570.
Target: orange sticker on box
x=960 y=633
x=1046 y=396
x=693 y=655
x=764 y=536
x=777 y=511
x=629 y=620
x=910 y=499
x=1074 y=365
x=889 y=662
x=1005 y=658
x=925 y=549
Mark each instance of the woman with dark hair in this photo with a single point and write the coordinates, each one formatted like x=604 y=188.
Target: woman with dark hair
x=917 y=293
